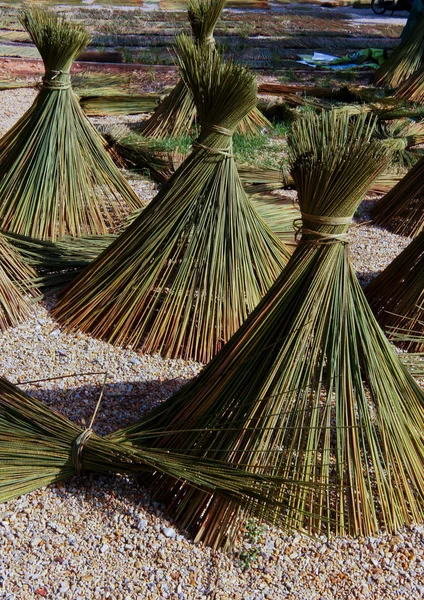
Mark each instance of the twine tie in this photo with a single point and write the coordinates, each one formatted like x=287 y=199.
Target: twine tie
x=211 y=127
x=321 y=237
x=81 y=440
x=50 y=82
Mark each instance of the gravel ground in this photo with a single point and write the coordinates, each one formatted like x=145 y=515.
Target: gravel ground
x=101 y=537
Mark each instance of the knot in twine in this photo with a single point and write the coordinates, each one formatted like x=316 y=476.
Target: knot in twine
x=320 y=237
x=81 y=440
x=51 y=83
x=226 y=152
x=209 y=40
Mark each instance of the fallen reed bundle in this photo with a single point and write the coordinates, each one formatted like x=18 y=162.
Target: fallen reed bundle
x=57 y=263
x=122 y=104
x=405 y=60
x=400 y=136
x=16 y=286
x=39 y=447
x=308 y=388
x=176 y=113
x=56 y=177
x=133 y=151
x=397 y=297
x=402 y=208
x=185 y=274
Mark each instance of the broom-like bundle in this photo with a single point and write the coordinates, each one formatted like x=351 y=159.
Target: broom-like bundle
x=16 y=286
x=183 y=276
x=175 y=115
x=308 y=388
x=402 y=208
x=405 y=60
x=122 y=104
x=397 y=297
x=39 y=447
x=55 y=174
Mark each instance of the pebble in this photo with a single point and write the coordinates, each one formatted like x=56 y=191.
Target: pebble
x=169 y=532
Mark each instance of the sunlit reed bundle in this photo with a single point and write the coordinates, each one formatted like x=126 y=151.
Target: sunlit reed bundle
x=184 y=275
x=308 y=388
x=16 y=286
x=400 y=136
x=405 y=60
x=39 y=447
x=397 y=297
x=175 y=115
x=402 y=208
x=56 y=177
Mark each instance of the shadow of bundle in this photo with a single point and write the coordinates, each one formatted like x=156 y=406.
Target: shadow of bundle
x=56 y=177
x=308 y=388
x=184 y=275
x=176 y=114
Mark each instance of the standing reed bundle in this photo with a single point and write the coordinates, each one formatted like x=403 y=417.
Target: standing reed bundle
x=175 y=115
x=308 y=388
x=405 y=60
x=184 y=275
x=55 y=174
x=397 y=297
x=16 y=286
x=402 y=208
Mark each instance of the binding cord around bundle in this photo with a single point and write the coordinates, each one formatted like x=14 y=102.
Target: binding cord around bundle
x=52 y=81
x=56 y=177
x=81 y=440
x=320 y=237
